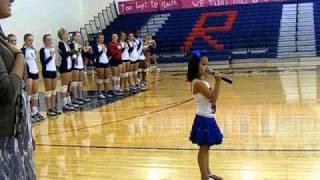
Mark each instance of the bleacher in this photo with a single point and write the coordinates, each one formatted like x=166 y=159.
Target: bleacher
x=262 y=30
x=249 y=30
x=126 y=23
x=317 y=24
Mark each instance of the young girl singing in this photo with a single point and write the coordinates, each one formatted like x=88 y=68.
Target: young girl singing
x=205 y=131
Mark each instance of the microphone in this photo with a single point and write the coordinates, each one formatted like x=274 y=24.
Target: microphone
x=211 y=71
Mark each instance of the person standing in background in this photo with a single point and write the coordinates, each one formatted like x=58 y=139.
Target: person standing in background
x=88 y=56
x=12 y=39
x=102 y=67
x=151 y=46
x=65 y=70
x=49 y=73
x=77 y=70
x=115 y=54
x=33 y=76
x=125 y=62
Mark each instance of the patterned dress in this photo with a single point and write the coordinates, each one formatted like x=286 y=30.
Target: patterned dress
x=16 y=151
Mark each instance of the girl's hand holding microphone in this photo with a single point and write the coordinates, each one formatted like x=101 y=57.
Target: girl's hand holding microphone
x=217 y=76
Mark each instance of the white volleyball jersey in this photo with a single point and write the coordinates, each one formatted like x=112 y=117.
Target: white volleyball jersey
x=103 y=57
x=30 y=58
x=133 y=51
x=125 y=52
x=48 y=61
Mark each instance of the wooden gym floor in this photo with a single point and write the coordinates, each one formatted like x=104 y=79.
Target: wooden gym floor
x=270 y=119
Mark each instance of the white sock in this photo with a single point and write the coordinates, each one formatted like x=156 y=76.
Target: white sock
x=65 y=100
x=115 y=81
x=34 y=110
x=69 y=100
x=80 y=90
x=74 y=88
x=29 y=99
x=118 y=82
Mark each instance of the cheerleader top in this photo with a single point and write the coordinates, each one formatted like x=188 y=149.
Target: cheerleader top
x=204 y=106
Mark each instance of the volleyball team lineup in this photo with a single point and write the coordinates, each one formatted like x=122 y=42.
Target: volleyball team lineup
x=121 y=67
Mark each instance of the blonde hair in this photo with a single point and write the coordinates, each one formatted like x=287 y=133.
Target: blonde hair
x=61 y=31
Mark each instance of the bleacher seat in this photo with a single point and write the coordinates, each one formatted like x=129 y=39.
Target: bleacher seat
x=236 y=31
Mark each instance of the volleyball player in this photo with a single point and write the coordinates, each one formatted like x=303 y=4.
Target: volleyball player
x=102 y=67
x=114 y=51
x=77 y=70
x=65 y=70
x=88 y=56
x=33 y=76
x=142 y=66
x=134 y=56
x=125 y=62
x=151 y=46
x=49 y=73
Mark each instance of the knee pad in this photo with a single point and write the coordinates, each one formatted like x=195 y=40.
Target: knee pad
x=74 y=84
x=29 y=98
x=47 y=94
x=35 y=96
x=106 y=81
x=64 y=88
x=123 y=75
x=53 y=93
x=100 y=81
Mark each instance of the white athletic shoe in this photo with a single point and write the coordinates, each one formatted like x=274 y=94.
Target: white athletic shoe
x=74 y=105
x=101 y=96
x=67 y=107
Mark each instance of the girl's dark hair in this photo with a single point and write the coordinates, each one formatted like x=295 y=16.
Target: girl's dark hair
x=120 y=34
x=45 y=37
x=134 y=32
x=193 y=66
x=26 y=36
x=75 y=33
x=11 y=35
x=100 y=34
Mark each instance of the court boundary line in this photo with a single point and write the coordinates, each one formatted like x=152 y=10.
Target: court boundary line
x=176 y=149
